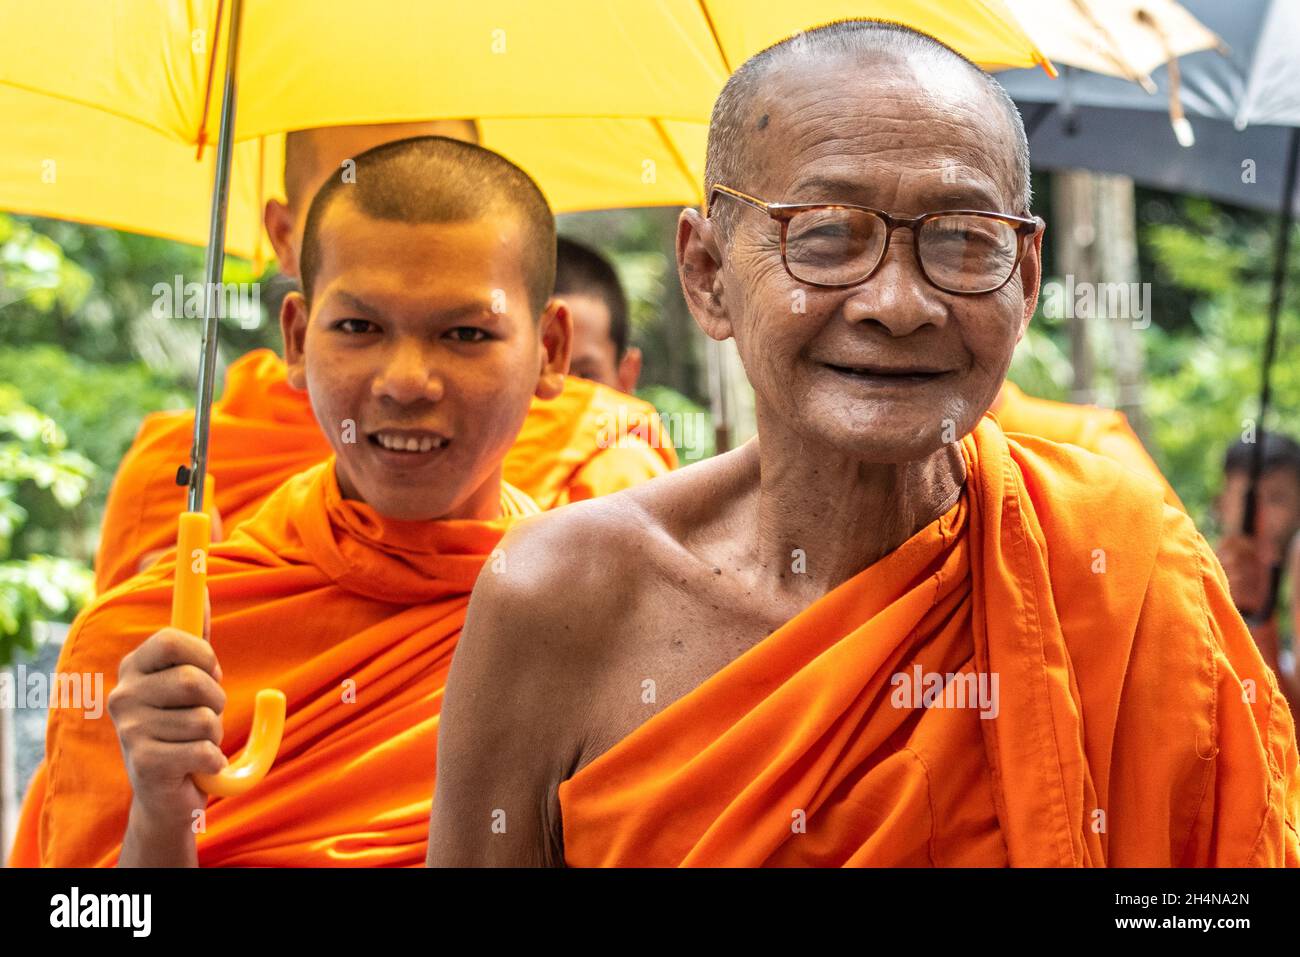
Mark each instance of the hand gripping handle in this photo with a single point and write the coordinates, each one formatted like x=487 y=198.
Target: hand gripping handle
x=192 y=540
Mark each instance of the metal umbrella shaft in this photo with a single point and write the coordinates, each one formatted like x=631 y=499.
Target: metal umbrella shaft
x=1249 y=515
x=1250 y=512
x=214 y=265
x=189 y=591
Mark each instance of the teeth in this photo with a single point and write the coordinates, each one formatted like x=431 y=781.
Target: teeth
x=410 y=444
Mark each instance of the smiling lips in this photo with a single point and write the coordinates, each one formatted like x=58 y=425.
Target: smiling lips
x=897 y=374
x=408 y=440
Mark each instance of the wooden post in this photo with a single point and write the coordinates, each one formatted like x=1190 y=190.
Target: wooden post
x=1075 y=244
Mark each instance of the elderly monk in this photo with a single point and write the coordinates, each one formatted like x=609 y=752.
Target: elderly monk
x=423 y=331
x=263 y=430
x=882 y=633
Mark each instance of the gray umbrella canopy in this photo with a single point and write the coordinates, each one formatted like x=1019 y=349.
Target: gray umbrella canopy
x=1242 y=106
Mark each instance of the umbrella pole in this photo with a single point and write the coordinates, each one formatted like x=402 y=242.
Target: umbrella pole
x=189 y=593
x=1250 y=512
x=213 y=268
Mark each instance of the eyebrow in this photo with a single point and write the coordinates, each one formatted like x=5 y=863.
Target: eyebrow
x=831 y=189
x=367 y=311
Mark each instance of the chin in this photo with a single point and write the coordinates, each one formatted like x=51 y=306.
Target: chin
x=883 y=439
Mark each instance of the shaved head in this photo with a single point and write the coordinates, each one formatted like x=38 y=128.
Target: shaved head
x=433 y=179
x=741 y=113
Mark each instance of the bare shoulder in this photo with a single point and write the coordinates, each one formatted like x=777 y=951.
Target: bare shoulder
x=579 y=569
x=550 y=615
x=571 y=589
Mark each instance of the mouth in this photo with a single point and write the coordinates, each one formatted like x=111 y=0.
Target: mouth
x=889 y=375
x=410 y=444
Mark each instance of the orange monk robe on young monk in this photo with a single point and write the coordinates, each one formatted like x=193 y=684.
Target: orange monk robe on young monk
x=263 y=432
x=817 y=747
x=347 y=589
x=383 y=602
x=1104 y=431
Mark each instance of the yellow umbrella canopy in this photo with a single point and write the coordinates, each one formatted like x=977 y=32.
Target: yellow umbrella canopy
x=309 y=63
x=101 y=112
x=83 y=164
x=110 y=118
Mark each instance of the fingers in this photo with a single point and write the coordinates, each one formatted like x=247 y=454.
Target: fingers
x=168 y=648
x=166 y=761
x=181 y=686
x=179 y=724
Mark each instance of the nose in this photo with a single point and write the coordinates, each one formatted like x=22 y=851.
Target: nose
x=897 y=297
x=408 y=375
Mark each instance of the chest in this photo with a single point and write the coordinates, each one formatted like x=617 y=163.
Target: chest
x=678 y=634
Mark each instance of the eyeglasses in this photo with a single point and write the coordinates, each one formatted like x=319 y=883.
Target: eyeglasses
x=832 y=245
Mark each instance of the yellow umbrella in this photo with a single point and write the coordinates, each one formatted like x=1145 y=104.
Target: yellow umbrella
x=608 y=114
x=132 y=80
x=67 y=161
x=332 y=62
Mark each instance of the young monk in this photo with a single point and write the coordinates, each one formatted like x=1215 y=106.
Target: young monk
x=263 y=430
x=422 y=332
x=882 y=633
x=589 y=284
x=630 y=447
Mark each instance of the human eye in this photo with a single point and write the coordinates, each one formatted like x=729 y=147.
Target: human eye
x=820 y=225
x=969 y=230
x=468 y=334
x=354 y=326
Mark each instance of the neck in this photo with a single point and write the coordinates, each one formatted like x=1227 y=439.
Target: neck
x=843 y=513
x=483 y=504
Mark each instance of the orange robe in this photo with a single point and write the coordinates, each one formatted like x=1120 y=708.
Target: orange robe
x=1132 y=723
x=263 y=432
x=354 y=617
x=1104 y=431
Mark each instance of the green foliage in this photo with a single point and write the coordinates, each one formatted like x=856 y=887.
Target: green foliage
x=687 y=421
x=1210 y=267
x=99 y=405
x=33 y=456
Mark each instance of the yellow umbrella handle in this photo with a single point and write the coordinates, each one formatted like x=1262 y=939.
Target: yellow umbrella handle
x=192 y=540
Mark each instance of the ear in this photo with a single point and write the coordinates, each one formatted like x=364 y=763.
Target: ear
x=629 y=370
x=1031 y=275
x=278 y=219
x=293 y=326
x=699 y=259
x=556 y=335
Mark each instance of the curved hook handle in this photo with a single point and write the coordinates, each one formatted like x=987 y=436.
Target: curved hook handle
x=192 y=540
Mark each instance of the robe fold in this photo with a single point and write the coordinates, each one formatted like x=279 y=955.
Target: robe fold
x=1049 y=674
x=264 y=432
x=354 y=617
x=1103 y=431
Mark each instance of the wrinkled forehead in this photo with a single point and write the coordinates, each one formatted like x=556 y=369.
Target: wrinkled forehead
x=905 y=134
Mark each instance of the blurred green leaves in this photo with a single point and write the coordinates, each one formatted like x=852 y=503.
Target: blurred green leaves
x=35 y=587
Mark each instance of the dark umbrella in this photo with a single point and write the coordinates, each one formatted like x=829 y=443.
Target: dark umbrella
x=1223 y=108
